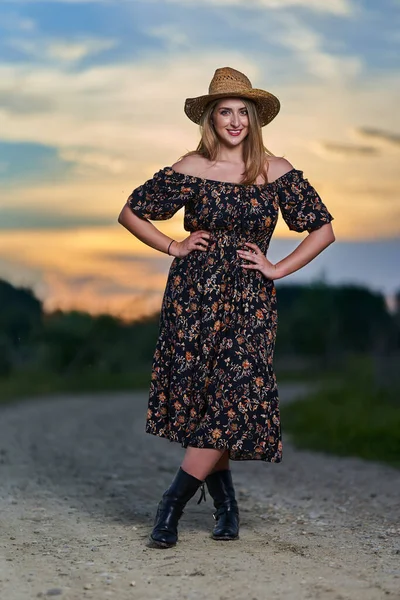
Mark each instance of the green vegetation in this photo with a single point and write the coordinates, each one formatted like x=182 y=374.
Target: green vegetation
x=45 y=353
x=321 y=329
x=39 y=383
x=351 y=416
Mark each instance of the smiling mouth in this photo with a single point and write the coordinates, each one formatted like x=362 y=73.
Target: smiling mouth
x=234 y=132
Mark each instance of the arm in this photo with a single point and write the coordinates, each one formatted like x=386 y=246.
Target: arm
x=146 y=232
x=315 y=242
x=158 y=199
x=303 y=210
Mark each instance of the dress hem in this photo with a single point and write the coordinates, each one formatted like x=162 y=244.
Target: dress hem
x=236 y=457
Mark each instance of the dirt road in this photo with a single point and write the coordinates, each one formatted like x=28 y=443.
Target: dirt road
x=80 y=481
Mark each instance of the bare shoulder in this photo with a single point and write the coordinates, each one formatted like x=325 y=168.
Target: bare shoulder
x=277 y=166
x=194 y=164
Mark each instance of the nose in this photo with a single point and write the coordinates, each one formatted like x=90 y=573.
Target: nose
x=235 y=120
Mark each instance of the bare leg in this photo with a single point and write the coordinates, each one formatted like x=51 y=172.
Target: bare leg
x=199 y=462
x=223 y=463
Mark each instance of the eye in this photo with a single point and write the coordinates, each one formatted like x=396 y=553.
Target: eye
x=224 y=111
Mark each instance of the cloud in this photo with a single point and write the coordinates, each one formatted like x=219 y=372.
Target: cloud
x=60 y=1
x=14 y=101
x=336 y=7
x=90 y=270
x=36 y=218
x=14 y=22
x=111 y=116
x=172 y=35
x=95 y=159
x=126 y=257
x=113 y=151
x=117 y=124
x=382 y=140
x=75 y=269
x=391 y=139
x=123 y=300
x=292 y=48
x=344 y=150
x=307 y=45
x=67 y=51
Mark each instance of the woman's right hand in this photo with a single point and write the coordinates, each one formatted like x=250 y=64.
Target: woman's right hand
x=197 y=240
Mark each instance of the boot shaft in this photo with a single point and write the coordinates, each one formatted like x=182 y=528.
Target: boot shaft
x=221 y=489
x=220 y=486
x=182 y=489
x=170 y=509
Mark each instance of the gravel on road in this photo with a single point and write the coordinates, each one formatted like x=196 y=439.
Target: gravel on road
x=80 y=481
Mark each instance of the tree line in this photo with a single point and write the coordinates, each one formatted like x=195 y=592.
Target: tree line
x=318 y=322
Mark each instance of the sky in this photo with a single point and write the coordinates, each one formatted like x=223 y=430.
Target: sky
x=91 y=106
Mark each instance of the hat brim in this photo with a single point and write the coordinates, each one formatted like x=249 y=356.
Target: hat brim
x=268 y=105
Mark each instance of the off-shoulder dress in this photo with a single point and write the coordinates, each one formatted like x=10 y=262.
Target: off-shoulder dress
x=212 y=381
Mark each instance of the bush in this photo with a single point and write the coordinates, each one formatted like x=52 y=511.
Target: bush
x=355 y=417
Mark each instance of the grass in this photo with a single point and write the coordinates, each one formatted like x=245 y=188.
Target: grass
x=31 y=384
x=353 y=417
x=348 y=416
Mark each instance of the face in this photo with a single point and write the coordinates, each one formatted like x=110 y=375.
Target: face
x=231 y=121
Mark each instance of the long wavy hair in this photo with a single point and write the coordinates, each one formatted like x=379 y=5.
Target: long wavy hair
x=254 y=151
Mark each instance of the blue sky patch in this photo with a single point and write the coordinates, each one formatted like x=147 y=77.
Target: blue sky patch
x=30 y=162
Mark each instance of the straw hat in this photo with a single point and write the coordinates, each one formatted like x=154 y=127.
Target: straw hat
x=227 y=83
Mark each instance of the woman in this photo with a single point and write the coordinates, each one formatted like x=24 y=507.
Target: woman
x=213 y=388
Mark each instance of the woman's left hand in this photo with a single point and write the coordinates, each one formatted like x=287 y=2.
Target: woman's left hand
x=258 y=261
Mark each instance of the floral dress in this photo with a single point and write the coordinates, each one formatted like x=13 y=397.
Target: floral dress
x=212 y=381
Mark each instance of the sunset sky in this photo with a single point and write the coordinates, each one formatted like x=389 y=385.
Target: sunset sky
x=91 y=105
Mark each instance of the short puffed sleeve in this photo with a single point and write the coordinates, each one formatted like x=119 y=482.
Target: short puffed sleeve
x=160 y=197
x=301 y=206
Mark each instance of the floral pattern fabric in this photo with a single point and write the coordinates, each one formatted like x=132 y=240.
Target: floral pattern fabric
x=212 y=382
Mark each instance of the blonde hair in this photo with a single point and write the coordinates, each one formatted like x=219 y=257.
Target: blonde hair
x=254 y=151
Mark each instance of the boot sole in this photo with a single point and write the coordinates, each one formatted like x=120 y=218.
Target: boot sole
x=224 y=538
x=156 y=544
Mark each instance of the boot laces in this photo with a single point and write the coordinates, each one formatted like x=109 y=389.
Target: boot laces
x=203 y=493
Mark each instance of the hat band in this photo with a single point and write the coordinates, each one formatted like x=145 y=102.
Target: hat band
x=236 y=88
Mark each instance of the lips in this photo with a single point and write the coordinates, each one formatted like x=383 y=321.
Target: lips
x=234 y=132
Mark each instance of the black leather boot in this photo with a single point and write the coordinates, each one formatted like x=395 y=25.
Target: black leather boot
x=170 y=509
x=221 y=489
